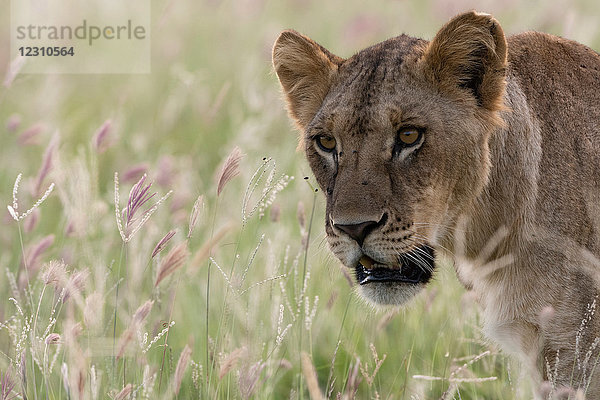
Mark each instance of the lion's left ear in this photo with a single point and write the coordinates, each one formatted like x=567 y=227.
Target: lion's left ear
x=305 y=70
x=468 y=54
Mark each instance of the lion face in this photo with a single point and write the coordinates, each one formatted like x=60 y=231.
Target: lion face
x=398 y=157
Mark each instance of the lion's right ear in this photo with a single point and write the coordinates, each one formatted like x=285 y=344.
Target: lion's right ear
x=468 y=54
x=305 y=70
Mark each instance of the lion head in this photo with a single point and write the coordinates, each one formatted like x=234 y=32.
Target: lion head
x=397 y=138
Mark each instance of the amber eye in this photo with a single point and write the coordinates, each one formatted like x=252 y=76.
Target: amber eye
x=409 y=137
x=326 y=143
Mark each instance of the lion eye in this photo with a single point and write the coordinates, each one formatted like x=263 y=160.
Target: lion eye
x=326 y=143
x=409 y=137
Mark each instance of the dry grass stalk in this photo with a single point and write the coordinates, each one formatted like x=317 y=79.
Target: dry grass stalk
x=231 y=169
x=231 y=361
x=365 y=371
x=182 y=364
x=172 y=261
x=310 y=374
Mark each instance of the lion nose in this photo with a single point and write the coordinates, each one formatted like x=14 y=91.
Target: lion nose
x=360 y=231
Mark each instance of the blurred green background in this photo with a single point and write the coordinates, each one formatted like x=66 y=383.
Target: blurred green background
x=212 y=88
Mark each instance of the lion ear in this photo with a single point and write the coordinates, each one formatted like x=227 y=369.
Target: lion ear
x=469 y=54
x=305 y=70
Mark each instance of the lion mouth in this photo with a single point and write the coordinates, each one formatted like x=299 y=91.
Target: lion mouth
x=415 y=267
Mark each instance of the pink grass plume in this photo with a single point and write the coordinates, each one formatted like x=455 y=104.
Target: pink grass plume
x=47 y=164
x=135 y=172
x=172 y=261
x=230 y=169
x=128 y=222
x=13 y=123
x=182 y=364
x=101 y=140
x=31 y=135
x=163 y=242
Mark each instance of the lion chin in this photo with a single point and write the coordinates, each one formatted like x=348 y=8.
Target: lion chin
x=389 y=293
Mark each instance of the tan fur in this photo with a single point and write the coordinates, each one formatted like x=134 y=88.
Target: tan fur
x=506 y=177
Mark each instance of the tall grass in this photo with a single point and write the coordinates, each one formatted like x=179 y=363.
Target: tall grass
x=226 y=289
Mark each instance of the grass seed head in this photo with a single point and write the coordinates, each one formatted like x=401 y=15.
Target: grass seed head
x=92 y=310
x=53 y=338
x=125 y=392
x=135 y=173
x=310 y=374
x=182 y=364
x=76 y=284
x=47 y=164
x=142 y=312
x=195 y=214
x=31 y=135
x=163 y=242
x=172 y=261
x=34 y=253
x=101 y=140
x=230 y=361
x=54 y=272
x=165 y=171
x=32 y=222
x=249 y=378
x=13 y=122
x=126 y=338
x=230 y=169
x=7 y=385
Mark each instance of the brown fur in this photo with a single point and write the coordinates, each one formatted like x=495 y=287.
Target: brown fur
x=506 y=177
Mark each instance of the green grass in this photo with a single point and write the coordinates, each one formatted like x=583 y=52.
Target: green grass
x=212 y=89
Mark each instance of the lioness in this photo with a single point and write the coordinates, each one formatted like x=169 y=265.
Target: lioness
x=474 y=146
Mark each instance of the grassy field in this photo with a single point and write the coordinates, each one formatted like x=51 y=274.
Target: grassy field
x=245 y=300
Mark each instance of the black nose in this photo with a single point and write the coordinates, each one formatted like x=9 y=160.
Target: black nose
x=360 y=231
